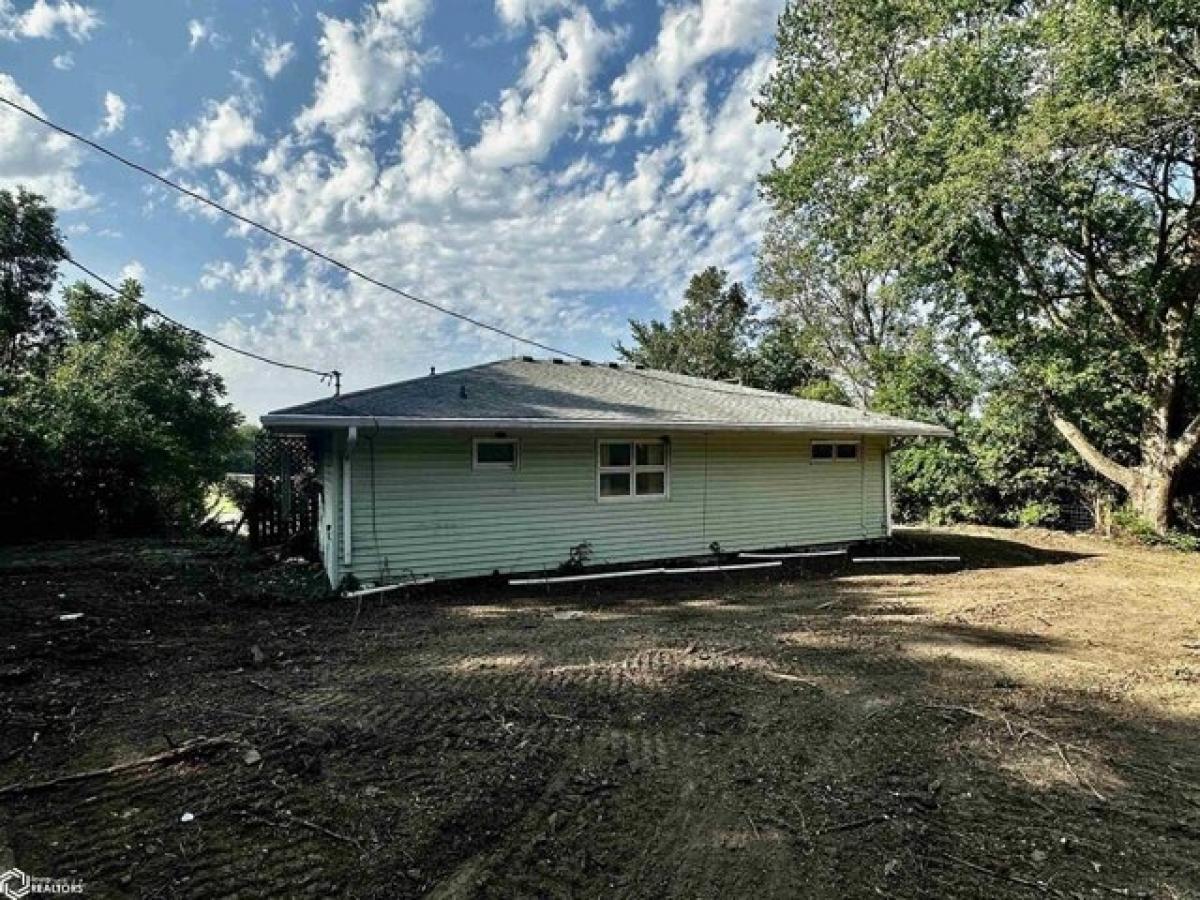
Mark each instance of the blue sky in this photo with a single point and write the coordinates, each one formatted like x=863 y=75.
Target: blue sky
x=552 y=166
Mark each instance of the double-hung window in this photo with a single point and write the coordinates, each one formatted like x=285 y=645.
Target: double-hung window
x=629 y=469
x=834 y=451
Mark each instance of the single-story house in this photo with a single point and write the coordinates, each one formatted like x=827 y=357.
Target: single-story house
x=508 y=466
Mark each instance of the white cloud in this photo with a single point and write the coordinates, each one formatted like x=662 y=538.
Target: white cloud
x=64 y=61
x=364 y=64
x=490 y=227
x=616 y=130
x=514 y=13
x=38 y=160
x=550 y=96
x=220 y=134
x=689 y=34
x=133 y=269
x=44 y=19
x=272 y=54
x=114 y=114
x=201 y=32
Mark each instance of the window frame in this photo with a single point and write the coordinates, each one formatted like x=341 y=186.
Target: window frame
x=834 y=459
x=478 y=466
x=633 y=469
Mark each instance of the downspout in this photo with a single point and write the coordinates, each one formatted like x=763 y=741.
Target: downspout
x=351 y=441
x=887 y=486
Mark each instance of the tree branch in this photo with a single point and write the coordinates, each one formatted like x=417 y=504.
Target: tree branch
x=1111 y=470
x=1186 y=443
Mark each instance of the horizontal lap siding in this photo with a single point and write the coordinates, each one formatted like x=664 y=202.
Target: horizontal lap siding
x=435 y=515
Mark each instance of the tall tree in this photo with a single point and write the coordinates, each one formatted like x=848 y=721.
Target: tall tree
x=1036 y=165
x=708 y=336
x=841 y=293
x=30 y=250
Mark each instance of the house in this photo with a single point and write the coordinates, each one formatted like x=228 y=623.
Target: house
x=508 y=466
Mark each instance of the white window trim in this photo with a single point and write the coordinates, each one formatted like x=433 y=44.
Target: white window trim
x=494 y=466
x=834 y=459
x=632 y=469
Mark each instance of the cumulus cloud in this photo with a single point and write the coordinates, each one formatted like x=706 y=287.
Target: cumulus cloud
x=514 y=13
x=44 y=19
x=114 y=114
x=550 y=96
x=272 y=54
x=690 y=34
x=64 y=61
x=616 y=130
x=364 y=64
x=226 y=128
x=133 y=269
x=40 y=161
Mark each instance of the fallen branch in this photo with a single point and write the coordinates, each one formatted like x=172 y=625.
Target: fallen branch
x=1003 y=876
x=188 y=748
x=851 y=826
x=289 y=819
x=270 y=690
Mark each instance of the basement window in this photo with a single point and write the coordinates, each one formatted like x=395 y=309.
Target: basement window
x=496 y=453
x=834 y=451
x=632 y=469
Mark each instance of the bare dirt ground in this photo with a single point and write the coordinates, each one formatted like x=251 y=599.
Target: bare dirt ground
x=1027 y=726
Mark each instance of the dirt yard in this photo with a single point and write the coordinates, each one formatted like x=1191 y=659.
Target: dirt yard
x=1026 y=726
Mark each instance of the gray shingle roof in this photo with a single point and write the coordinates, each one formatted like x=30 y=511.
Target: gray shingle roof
x=523 y=393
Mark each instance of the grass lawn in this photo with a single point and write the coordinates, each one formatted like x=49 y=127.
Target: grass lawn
x=1025 y=726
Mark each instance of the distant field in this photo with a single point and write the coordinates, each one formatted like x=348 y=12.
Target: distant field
x=1025 y=726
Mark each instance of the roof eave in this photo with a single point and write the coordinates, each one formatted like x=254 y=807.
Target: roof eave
x=889 y=429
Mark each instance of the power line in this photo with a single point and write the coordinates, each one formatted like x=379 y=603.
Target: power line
x=333 y=376
x=280 y=236
x=336 y=263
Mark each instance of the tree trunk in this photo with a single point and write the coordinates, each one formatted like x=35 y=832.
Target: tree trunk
x=1151 y=497
x=1150 y=486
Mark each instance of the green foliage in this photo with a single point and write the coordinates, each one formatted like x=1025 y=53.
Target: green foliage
x=1028 y=168
x=30 y=250
x=1126 y=521
x=121 y=429
x=240 y=458
x=1035 y=513
x=715 y=334
x=707 y=336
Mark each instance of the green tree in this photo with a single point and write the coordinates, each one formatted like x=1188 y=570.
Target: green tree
x=133 y=415
x=30 y=250
x=709 y=336
x=1033 y=165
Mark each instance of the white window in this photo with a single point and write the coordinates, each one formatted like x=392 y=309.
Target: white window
x=834 y=451
x=496 y=453
x=630 y=469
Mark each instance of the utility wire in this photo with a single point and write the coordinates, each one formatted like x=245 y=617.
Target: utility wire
x=280 y=236
x=336 y=263
x=332 y=376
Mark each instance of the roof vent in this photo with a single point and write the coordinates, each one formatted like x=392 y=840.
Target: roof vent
x=557 y=361
x=433 y=370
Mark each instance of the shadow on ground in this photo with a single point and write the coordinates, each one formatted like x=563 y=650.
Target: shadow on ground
x=820 y=735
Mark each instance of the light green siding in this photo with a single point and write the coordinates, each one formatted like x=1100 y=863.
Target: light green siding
x=418 y=505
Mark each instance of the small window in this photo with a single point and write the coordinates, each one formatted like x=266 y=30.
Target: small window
x=495 y=453
x=834 y=451
x=632 y=469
